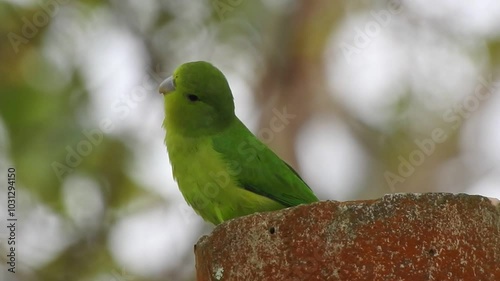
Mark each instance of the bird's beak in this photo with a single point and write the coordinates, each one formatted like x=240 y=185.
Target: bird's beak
x=167 y=86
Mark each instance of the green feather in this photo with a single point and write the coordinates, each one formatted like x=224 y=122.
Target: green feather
x=222 y=169
x=260 y=169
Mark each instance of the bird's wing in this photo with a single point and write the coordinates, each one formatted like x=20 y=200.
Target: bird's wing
x=260 y=170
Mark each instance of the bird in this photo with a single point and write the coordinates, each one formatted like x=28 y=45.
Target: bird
x=222 y=169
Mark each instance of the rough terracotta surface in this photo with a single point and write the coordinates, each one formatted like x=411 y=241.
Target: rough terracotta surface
x=433 y=236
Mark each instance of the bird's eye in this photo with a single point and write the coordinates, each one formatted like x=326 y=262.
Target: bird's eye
x=192 y=97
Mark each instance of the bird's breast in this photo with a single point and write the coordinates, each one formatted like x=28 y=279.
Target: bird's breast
x=209 y=183
x=199 y=170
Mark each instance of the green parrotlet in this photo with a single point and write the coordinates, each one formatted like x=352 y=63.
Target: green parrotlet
x=222 y=169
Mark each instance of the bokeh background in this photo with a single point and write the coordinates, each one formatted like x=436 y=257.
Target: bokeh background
x=363 y=98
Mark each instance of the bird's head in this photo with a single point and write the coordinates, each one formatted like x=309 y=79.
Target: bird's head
x=198 y=100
